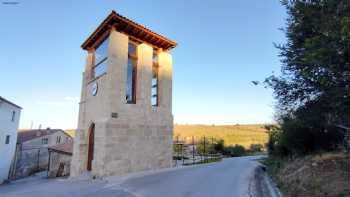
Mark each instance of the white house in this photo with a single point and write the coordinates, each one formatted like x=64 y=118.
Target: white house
x=9 y=119
x=42 y=138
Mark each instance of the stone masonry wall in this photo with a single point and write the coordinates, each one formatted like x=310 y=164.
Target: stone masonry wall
x=56 y=160
x=140 y=137
x=30 y=161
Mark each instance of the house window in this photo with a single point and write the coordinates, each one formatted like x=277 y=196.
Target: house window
x=154 y=88
x=13 y=116
x=100 y=63
x=58 y=139
x=45 y=141
x=7 y=140
x=131 y=74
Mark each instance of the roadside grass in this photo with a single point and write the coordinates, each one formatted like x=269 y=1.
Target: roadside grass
x=209 y=160
x=321 y=174
x=256 y=153
x=273 y=166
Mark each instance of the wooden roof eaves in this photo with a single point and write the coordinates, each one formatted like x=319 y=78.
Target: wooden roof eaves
x=129 y=25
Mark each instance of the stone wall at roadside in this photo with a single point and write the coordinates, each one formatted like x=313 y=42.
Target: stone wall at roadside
x=30 y=161
x=59 y=164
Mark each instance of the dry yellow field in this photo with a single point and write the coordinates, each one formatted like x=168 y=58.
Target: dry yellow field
x=244 y=135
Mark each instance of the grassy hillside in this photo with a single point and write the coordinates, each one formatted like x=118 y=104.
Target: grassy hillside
x=232 y=134
x=70 y=132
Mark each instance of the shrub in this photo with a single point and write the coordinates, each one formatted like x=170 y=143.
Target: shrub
x=205 y=146
x=274 y=144
x=303 y=132
x=255 y=148
x=219 y=146
x=235 y=151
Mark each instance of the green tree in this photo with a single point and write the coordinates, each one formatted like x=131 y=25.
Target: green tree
x=219 y=146
x=235 y=151
x=316 y=58
x=313 y=90
x=254 y=148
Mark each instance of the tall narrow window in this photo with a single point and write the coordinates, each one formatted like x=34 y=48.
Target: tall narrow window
x=131 y=74
x=7 y=141
x=154 y=88
x=44 y=141
x=100 y=63
x=58 y=139
x=13 y=116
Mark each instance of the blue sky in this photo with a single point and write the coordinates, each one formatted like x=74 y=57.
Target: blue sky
x=222 y=46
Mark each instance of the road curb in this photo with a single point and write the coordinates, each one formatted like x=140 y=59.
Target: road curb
x=262 y=184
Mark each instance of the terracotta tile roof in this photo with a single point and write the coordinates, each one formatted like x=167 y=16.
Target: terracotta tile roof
x=66 y=147
x=26 y=135
x=129 y=27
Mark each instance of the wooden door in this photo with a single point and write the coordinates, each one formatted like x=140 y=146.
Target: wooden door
x=91 y=146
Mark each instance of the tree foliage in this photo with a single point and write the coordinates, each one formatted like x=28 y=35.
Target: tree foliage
x=256 y=148
x=235 y=151
x=219 y=146
x=313 y=90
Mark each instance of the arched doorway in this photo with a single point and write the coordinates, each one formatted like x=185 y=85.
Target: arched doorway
x=91 y=146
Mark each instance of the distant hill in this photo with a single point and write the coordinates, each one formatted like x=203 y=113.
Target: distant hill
x=70 y=132
x=232 y=134
x=244 y=135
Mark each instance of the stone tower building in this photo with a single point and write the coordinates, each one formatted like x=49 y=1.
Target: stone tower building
x=125 y=119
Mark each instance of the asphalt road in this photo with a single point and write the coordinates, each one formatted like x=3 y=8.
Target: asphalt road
x=232 y=177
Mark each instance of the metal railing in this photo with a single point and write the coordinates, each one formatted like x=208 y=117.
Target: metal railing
x=189 y=151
